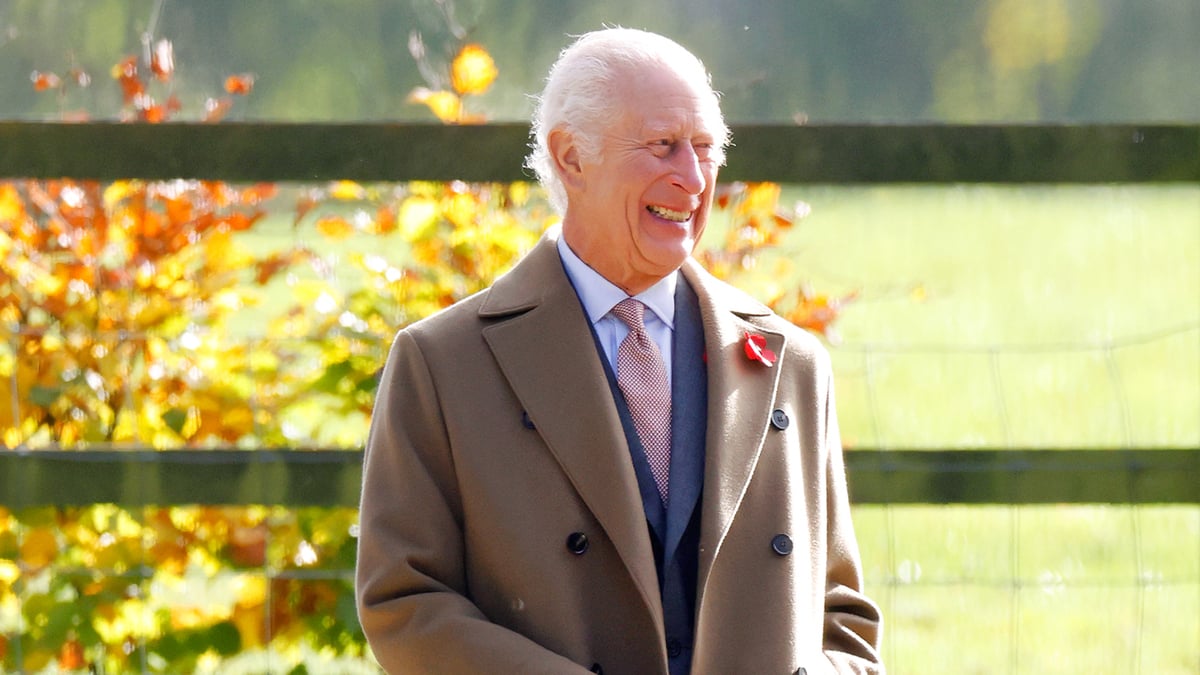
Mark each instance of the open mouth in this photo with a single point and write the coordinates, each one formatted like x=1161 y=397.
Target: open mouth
x=668 y=214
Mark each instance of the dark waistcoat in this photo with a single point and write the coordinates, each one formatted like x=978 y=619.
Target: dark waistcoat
x=675 y=529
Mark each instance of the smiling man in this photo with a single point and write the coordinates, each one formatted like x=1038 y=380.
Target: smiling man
x=609 y=461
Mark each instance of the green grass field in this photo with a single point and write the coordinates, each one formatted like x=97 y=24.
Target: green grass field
x=1019 y=317
x=1023 y=317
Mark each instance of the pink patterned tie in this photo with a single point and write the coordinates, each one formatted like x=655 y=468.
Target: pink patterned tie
x=642 y=377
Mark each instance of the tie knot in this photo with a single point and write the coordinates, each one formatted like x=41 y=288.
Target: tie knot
x=630 y=311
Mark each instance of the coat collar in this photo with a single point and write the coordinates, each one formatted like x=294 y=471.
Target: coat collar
x=544 y=346
x=740 y=397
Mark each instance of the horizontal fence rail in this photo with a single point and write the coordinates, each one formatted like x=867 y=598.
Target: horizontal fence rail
x=842 y=154
x=250 y=151
x=332 y=477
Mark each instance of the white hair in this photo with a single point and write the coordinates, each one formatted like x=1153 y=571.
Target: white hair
x=579 y=95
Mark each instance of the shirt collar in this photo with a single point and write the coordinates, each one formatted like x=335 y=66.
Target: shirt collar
x=599 y=295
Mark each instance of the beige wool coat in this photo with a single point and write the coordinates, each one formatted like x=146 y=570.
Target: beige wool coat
x=496 y=439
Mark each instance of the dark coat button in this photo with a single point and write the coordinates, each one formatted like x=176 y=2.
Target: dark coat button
x=577 y=543
x=674 y=649
x=597 y=669
x=525 y=421
x=779 y=419
x=782 y=544
x=801 y=671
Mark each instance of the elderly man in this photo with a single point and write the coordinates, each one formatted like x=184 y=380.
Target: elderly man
x=609 y=460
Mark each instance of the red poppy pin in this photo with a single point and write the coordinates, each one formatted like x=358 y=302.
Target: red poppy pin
x=756 y=350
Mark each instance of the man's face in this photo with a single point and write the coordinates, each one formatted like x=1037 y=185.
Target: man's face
x=639 y=208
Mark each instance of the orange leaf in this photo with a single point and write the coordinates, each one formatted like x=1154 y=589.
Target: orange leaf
x=304 y=204
x=70 y=655
x=239 y=222
x=239 y=85
x=759 y=197
x=154 y=113
x=215 y=109
x=258 y=193
x=266 y=268
x=385 y=220
x=179 y=210
x=162 y=60
x=11 y=206
x=335 y=227
x=43 y=81
x=126 y=73
x=445 y=104
x=818 y=312
x=473 y=70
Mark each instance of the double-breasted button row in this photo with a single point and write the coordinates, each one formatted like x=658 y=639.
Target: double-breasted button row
x=782 y=544
x=577 y=543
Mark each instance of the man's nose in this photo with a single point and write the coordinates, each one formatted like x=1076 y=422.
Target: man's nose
x=689 y=172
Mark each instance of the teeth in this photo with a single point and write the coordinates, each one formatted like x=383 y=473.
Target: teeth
x=677 y=216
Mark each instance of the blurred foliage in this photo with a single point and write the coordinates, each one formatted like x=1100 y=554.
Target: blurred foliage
x=176 y=589
x=862 y=61
x=117 y=305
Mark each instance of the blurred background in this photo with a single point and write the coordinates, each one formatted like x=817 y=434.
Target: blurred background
x=960 y=316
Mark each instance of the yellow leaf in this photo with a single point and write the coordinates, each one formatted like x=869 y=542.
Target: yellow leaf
x=51 y=343
x=11 y=208
x=473 y=70
x=445 y=104
x=39 y=548
x=416 y=215
x=8 y=364
x=229 y=299
x=759 y=197
x=9 y=572
x=119 y=191
x=461 y=209
x=223 y=252
x=49 y=285
x=335 y=227
x=347 y=190
x=519 y=193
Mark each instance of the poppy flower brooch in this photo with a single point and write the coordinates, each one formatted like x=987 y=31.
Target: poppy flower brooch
x=756 y=350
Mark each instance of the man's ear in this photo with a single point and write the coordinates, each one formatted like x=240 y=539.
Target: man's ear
x=565 y=155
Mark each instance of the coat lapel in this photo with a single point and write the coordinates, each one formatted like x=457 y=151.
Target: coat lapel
x=544 y=347
x=740 y=395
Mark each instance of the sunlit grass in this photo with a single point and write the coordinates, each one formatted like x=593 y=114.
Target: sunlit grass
x=1010 y=316
x=1035 y=589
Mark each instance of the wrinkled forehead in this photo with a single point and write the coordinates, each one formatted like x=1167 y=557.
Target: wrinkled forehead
x=663 y=97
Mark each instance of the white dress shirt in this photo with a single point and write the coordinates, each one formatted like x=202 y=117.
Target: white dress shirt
x=599 y=296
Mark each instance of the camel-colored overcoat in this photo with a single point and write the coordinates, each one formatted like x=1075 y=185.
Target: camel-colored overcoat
x=501 y=528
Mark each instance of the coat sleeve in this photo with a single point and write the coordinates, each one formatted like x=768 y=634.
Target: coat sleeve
x=852 y=621
x=410 y=585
